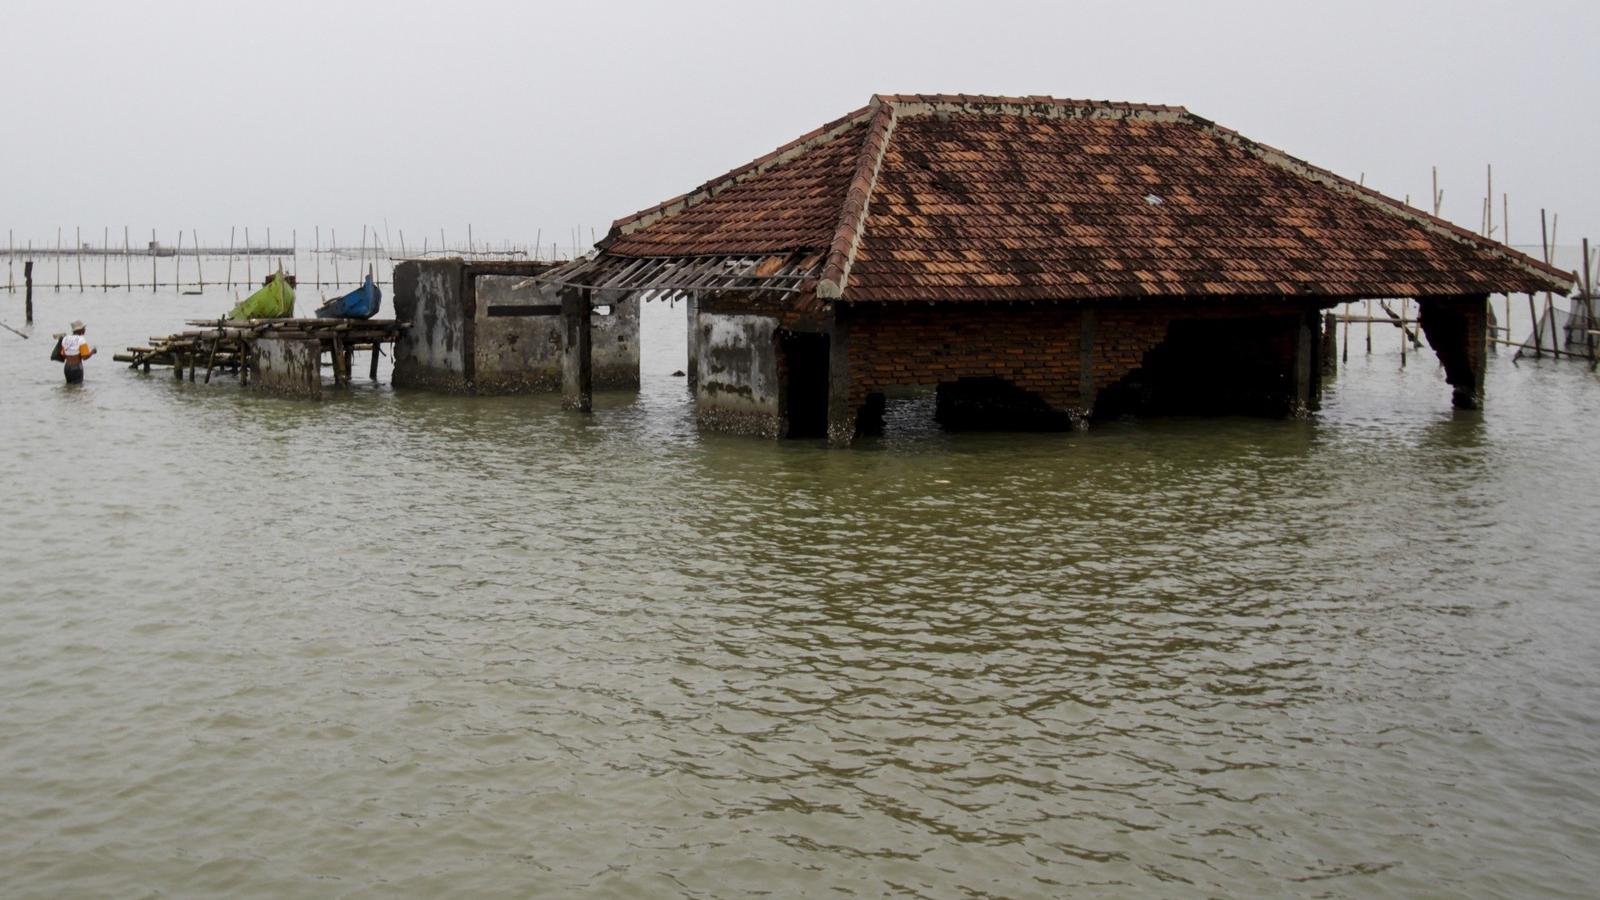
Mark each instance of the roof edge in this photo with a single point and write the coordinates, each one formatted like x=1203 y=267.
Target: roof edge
x=1554 y=278
x=853 y=213
x=644 y=217
x=1048 y=107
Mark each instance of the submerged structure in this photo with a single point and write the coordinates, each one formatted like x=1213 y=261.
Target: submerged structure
x=481 y=327
x=1041 y=262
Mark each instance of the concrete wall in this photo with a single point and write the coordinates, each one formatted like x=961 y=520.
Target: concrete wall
x=515 y=353
x=432 y=353
x=287 y=367
x=474 y=330
x=739 y=388
x=615 y=342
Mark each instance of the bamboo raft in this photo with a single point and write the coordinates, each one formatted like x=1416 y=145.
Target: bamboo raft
x=225 y=345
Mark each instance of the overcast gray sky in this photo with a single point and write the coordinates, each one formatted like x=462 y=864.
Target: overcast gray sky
x=517 y=117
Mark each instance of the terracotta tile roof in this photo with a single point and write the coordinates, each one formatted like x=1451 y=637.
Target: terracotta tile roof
x=787 y=200
x=938 y=197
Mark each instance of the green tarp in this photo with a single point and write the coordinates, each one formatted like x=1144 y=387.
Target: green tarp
x=275 y=301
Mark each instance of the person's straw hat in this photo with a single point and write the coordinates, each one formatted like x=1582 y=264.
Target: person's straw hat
x=77 y=325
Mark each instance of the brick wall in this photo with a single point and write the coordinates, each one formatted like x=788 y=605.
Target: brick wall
x=1037 y=346
x=1033 y=346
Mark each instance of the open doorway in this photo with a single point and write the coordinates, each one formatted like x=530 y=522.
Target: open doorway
x=1211 y=367
x=805 y=383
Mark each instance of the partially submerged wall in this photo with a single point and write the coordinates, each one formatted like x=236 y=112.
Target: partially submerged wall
x=481 y=328
x=1051 y=364
x=1016 y=366
x=738 y=389
x=287 y=367
x=517 y=344
x=432 y=352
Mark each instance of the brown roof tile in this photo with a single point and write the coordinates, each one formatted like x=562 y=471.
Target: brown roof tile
x=939 y=197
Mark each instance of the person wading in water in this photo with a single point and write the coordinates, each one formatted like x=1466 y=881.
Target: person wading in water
x=72 y=350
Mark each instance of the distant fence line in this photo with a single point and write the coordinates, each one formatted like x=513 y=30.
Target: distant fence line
x=240 y=260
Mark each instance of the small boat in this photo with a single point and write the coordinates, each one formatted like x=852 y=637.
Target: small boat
x=274 y=301
x=361 y=303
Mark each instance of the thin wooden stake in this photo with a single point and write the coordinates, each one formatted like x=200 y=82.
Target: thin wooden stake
x=231 y=229
x=77 y=251
x=105 y=258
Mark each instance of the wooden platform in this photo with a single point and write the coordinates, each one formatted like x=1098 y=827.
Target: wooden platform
x=226 y=345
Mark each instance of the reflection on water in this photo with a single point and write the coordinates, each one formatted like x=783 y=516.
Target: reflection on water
x=408 y=645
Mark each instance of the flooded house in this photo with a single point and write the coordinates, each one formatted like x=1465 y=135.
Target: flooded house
x=1038 y=263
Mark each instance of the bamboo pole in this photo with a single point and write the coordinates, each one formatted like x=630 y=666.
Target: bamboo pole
x=105 y=258
x=58 y=259
x=1588 y=302
x=316 y=253
x=402 y=243
x=1405 y=307
x=27 y=281
x=152 y=259
x=249 y=270
x=1488 y=205
x=127 y=261
x=1345 y=359
x=333 y=250
x=231 y=229
x=1549 y=299
x=177 y=264
x=77 y=250
x=199 y=265
x=1505 y=233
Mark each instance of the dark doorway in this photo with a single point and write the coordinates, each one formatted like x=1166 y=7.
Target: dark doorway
x=805 y=383
x=1211 y=367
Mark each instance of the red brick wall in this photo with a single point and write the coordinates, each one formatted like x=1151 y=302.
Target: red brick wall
x=1034 y=346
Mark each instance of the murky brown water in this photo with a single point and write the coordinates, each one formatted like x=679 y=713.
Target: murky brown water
x=408 y=645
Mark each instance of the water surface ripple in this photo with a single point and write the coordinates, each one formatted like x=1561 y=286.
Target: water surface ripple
x=406 y=645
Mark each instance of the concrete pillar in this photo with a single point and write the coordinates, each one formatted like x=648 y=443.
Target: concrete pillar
x=577 y=362
x=1303 y=369
x=1458 y=329
x=691 y=304
x=1330 y=344
x=1086 y=387
x=841 y=412
x=288 y=367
